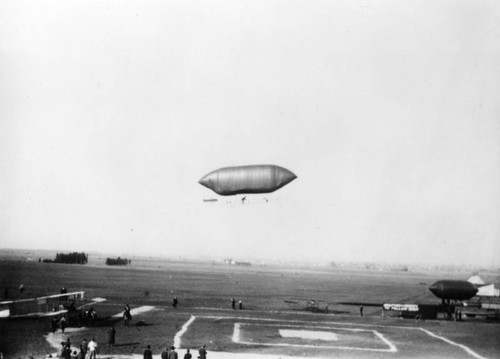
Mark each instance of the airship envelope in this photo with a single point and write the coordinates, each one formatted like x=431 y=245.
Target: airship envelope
x=247 y=179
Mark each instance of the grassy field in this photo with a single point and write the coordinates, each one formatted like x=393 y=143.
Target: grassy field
x=204 y=290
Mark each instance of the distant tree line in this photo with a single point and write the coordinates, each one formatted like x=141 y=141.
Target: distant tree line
x=118 y=261
x=70 y=258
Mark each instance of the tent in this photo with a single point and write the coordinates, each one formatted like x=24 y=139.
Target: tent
x=488 y=291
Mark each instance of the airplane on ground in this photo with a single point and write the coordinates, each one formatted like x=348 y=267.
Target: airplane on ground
x=48 y=306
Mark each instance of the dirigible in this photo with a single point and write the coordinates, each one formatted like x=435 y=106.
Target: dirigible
x=247 y=179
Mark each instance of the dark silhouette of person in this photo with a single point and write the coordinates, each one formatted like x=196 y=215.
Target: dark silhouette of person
x=62 y=323
x=148 y=354
x=127 y=317
x=111 y=336
x=233 y=303
x=66 y=353
x=63 y=291
x=164 y=353
x=202 y=352
x=54 y=325
x=172 y=354
x=83 y=347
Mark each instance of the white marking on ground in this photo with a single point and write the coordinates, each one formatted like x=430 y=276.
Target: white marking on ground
x=228 y=355
x=391 y=348
x=315 y=327
x=316 y=346
x=56 y=339
x=308 y=334
x=98 y=300
x=236 y=333
x=307 y=321
x=461 y=346
x=135 y=311
x=180 y=333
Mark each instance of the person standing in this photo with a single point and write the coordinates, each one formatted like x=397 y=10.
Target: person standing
x=62 y=323
x=127 y=316
x=233 y=303
x=53 y=325
x=361 y=310
x=203 y=352
x=175 y=302
x=111 y=336
x=164 y=353
x=63 y=291
x=148 y=354
x=83 y=348
x=66 y=351
x=173 y=353
x=92 y=349
x=60 y=353
x=240 y=304
x=187 y=355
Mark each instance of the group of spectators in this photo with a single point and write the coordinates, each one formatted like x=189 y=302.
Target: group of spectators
x=233 y=304
x=88 y=350
x=172 y=354
x=61 y=323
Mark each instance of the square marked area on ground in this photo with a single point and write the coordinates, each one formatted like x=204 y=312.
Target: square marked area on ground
x=235 y=332
x=309 y=336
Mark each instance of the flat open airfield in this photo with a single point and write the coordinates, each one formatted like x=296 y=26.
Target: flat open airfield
x=267 y=327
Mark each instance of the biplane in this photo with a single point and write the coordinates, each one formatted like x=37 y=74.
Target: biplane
x=52 y=305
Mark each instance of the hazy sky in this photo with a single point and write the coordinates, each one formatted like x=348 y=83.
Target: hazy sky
x=387 y=111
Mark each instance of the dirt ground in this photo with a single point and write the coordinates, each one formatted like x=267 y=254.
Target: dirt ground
x=274 y=301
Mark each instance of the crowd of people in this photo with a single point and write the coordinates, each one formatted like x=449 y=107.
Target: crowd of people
x=170 y=353
x=88 y=350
